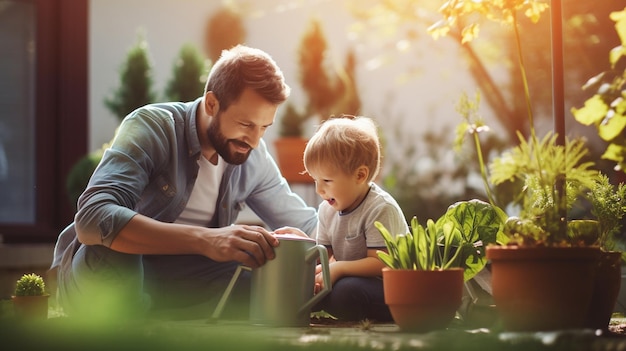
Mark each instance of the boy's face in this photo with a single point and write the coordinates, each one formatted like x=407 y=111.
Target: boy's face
x=344 y=192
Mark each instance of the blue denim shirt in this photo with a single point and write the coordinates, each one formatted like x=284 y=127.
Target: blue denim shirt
x=151 y=167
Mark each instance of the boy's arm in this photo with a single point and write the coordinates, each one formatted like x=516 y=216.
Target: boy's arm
x=370 y=266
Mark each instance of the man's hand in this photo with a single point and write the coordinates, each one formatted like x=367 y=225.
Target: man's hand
x=250 y=245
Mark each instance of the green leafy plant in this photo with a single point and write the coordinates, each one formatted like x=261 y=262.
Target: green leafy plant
x=291 y=121
x=135 y=90
x=189 y=74
x=606 y=109
x=328 y=91
x=609 y=207
x=456 y=239
x=554 y=174
x=541 y=164
x=417 y=249
x=136 y=81
x=30 y=285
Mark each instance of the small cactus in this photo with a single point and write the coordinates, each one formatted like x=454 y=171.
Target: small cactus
x=30 y=285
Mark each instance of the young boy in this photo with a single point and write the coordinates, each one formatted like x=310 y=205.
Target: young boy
x=343 y=157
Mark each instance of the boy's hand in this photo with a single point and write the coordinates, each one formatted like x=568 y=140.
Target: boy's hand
x=292 y=231
x=319 y=278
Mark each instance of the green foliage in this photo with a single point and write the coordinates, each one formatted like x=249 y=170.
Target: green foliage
x=30 y=285
x=135 y=88
x=189 y=74
x=415 y=250
x=498 y=11
x=456 y=239
x=609 y=207
x=291 y=121
x=477 y=224
x=553 y=170
x=79 y=174
x=473 y=124
x=224 y=29
x=606 y=109
x=541 y=164
x=328 y=92
x=314 y=79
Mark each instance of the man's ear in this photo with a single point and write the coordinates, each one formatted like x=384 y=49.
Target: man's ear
x=362 y=174
x=211 y=104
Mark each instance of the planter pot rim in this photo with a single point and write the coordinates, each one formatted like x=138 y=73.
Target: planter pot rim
x=422 y=270
x=27 y=296
x=511 y=252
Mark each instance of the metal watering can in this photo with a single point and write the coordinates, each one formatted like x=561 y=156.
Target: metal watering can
x=281 y=291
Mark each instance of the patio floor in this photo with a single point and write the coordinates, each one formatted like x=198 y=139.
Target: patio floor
x=63 y=334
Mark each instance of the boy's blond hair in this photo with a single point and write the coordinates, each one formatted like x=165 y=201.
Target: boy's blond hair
x=347 y=143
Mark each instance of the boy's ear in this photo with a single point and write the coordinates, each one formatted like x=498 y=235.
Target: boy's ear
x=362 y=173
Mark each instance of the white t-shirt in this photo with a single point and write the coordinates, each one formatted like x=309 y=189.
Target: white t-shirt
x=201 y=206
x=351 y=234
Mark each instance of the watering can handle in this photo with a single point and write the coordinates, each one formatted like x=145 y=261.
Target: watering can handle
x=318 y=251
x=220 y=305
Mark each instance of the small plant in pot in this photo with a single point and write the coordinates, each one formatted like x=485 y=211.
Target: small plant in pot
x=31 y=299
x=426 y=268
x=291 y=143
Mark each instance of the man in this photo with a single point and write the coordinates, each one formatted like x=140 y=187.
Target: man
x=155 y=225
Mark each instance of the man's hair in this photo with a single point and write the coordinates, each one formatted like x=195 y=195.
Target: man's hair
x=345 y=143
x=244 y=67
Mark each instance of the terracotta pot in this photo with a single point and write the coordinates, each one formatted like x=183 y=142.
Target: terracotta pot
x=542 y=288
x=421 y=301
x=31 y=307
x=608 y=278
x=289 y=153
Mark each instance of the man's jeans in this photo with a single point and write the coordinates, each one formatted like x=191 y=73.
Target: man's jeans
x=106 y=283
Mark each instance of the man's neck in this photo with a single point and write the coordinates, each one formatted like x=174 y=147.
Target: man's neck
x=202 y=125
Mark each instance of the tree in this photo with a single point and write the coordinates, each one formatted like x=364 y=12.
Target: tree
x=189 y=74
x=135 y=89
x=224 y=29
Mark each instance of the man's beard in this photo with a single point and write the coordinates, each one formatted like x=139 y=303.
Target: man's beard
x=221 y=144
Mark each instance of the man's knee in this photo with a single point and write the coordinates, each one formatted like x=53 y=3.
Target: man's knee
x=102 y=282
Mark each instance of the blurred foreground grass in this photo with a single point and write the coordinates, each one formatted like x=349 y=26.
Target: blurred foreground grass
x=60 y=332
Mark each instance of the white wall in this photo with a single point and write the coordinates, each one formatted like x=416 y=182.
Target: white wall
x=424 y=102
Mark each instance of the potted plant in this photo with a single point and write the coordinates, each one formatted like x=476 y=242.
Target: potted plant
x=326 y=94
x=290 y=145
x=31 y=299
x=543 y=279
x=426 y=268
x=605 y=111
x=608 y=206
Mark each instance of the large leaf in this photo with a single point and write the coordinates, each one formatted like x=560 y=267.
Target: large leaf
x=477 y=224
x=593 y=112
x=612 y=126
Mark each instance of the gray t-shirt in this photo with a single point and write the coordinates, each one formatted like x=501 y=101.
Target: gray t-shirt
x=351 y=234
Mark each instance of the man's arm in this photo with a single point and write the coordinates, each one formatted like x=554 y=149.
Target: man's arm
x=250 y=245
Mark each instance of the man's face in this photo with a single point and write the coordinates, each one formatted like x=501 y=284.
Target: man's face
x=237 y=130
